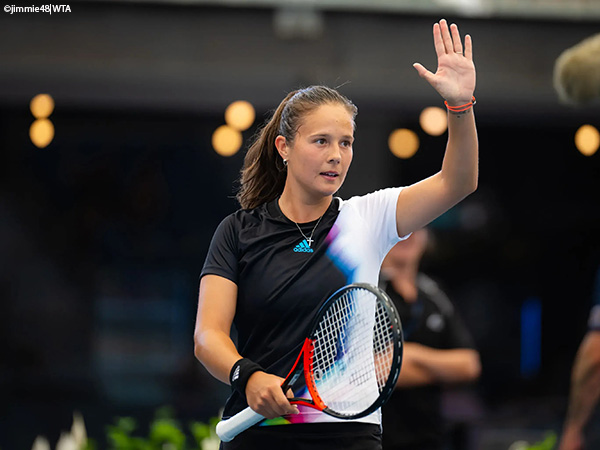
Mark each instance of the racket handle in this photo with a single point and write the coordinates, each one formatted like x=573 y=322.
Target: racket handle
x=230 y=428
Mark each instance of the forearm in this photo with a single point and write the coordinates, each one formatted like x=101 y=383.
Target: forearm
x=426 y=200
x=412 y=375
x=461 y=160
x=585 y=383
x=217 y=353
x=448 y=366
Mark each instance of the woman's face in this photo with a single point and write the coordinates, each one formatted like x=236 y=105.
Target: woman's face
x=321 y=153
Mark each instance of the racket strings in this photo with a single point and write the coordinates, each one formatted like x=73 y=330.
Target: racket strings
x=352 y=352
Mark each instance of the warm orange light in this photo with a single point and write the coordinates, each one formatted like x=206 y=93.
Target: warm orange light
x=434 y=120
x=240 y=115
x=403 y=143
x=587 y=140
x=226 y=141
x=41 y=132
x=41 y=106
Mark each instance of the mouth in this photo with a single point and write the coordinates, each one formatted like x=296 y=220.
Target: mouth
x=330 y=175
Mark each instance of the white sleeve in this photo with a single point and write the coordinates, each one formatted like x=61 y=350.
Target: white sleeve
x=378 y=211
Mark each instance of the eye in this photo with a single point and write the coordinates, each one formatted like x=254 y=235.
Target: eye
x=321 y=141
x=347 y=144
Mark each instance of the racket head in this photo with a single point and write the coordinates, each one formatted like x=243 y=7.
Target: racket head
x=354 y=355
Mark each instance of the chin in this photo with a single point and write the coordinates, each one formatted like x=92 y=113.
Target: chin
x=331 y=191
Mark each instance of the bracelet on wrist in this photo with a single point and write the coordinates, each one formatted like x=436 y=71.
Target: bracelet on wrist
x=240 y=374
x=460 y=108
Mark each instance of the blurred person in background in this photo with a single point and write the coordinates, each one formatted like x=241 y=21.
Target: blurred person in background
x=585 y=385
x=438 y=351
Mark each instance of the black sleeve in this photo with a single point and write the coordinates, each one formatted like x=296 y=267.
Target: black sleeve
x=222 y=257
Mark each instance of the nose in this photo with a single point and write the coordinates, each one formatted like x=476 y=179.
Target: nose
x=335 y=155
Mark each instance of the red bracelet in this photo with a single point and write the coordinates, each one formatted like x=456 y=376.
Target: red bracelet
x=460 y=108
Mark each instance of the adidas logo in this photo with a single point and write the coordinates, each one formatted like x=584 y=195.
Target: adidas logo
x=236 y=374
x=303 y=247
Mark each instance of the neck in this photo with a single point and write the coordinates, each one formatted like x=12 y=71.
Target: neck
x=303 y=210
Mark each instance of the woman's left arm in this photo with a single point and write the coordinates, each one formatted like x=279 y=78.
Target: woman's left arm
x=454 y=80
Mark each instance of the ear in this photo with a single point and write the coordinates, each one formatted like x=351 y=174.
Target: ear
x=282 y=147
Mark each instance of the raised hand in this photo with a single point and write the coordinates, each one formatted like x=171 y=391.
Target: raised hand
x=454 y=78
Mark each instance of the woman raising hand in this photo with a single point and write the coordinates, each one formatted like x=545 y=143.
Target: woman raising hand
x=271 y=263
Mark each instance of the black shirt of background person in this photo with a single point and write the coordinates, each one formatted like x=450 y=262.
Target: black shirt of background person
x=412 y=418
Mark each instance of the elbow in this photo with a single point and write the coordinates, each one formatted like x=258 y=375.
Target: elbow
x=198 y=346
x=471 y=186
x=468 y=188
x=474 y=184
x=461 y=188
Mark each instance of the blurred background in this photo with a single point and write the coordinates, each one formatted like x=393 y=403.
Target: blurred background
x=111 y=188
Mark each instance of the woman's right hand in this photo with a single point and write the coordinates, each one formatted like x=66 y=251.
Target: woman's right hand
x=265 y=396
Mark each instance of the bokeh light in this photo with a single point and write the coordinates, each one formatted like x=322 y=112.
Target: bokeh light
x=434 y=120
x=41 y=132
x=226 y=140
x=403 y=143
x=240 y=115
x=41 y=106
x=587 y=140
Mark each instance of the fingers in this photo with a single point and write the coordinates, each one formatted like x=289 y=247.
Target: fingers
x=446 y=37
x=438 y=42
x=423 y=72
x=265 y=396
x=469 y=47
x=457 y=44
x=277 y=404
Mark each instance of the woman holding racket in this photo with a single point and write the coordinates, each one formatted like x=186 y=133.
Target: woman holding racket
x=271 y=264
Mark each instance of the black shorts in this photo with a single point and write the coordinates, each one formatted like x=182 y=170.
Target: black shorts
x=309 y=436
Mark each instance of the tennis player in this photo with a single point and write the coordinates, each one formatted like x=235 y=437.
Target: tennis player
x=272 y=263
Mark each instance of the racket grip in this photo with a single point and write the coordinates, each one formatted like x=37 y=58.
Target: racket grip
x=230 y=428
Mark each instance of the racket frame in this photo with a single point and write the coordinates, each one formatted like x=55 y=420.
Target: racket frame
x=307 y=347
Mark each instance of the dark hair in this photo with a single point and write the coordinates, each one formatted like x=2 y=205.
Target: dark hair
x=263 y=174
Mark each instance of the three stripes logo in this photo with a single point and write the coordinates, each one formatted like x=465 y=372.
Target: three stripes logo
x=236 y=374
x=303 y=247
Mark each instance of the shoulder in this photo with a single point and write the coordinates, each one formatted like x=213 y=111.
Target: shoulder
x=437 y=296
x=375 y=197
x=245 y=217
x=236 y=224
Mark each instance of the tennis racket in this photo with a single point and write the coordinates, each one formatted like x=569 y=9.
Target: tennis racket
x=350 y=360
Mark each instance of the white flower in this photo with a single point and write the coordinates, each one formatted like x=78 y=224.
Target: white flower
x=41 y=443
x=211 y=443
x=78 y=430
x=67 y=442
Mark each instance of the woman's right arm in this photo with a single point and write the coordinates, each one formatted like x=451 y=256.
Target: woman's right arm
x=212 y=343
x=216 y=351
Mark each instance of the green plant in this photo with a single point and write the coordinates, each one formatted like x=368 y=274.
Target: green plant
x=165 y=433
x=547 y=444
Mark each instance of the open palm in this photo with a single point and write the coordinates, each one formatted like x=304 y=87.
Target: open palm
x=454 y=78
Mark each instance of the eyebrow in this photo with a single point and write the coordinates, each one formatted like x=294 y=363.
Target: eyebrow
x=346 y=136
